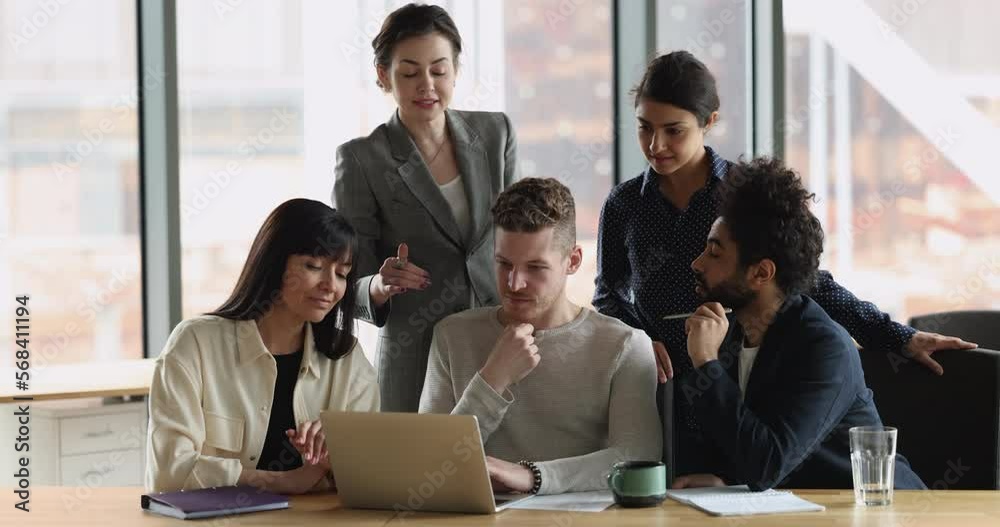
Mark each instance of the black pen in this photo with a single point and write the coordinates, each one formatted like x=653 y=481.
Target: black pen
x=686 y=315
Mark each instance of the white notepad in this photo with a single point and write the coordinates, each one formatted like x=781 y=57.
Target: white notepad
x=739 y=500
x=594 y=501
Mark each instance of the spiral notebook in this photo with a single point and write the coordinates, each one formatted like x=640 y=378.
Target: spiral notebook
x=739 y=500
x=212 y=502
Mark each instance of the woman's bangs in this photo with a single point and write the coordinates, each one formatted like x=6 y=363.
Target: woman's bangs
x=327 y=241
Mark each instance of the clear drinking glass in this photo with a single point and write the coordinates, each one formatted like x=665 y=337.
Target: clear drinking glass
x=873 y=463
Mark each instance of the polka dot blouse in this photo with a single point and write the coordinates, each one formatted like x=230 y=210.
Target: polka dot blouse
x=644 y=254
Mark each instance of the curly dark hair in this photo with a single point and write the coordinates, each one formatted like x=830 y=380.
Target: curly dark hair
x=532 y=204
x=765 y=206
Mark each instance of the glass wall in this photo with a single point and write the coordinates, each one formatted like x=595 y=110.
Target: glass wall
x=69 y=195
x=892 y=109
x=716 y=32
x=269 y=89
x=893 y=114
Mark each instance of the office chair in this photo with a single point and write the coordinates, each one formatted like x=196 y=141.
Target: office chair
x=981 y=327
x=949 y=426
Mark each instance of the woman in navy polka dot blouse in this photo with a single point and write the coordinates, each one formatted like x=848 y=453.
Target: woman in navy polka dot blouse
x=653 y=226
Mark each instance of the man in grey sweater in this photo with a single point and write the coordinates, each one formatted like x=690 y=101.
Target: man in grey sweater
x=561 y=392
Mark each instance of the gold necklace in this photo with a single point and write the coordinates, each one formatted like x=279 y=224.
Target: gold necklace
x=440 y=148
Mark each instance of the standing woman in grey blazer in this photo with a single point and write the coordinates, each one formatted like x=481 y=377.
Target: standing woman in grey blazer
x=418 y=190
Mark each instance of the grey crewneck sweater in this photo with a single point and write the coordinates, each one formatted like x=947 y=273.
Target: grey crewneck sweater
x=589 y=403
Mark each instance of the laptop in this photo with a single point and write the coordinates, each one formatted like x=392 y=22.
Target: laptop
x=411 y=462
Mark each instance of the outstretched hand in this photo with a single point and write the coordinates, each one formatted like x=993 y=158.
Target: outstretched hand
x=923 y=344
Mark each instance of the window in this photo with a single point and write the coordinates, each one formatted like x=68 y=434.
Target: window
x=69 y=177
x=717 y=33
x=269 y=89
x=892 y=115
x=558 y=93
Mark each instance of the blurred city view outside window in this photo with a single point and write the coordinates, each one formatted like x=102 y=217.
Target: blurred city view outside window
x=891 y=112
x=892 y=116
x=716 y=32
x=69 y=187
x=269 y=89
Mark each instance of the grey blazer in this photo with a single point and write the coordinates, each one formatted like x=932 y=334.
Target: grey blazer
x=387 y=193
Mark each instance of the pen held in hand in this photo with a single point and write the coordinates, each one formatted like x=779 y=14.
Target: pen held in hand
x=686 y=315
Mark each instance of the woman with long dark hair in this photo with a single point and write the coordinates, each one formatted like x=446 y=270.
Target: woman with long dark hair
x=653 y=227
x=237 y=392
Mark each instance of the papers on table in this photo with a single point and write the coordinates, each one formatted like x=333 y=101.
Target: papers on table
x=720 y=501
x=595 y=501
x=738 y=500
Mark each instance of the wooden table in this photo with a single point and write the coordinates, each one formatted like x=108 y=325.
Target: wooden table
x=111 y=507
x=75 y=381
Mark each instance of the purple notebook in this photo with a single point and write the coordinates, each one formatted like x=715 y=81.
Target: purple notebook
x=209 y=503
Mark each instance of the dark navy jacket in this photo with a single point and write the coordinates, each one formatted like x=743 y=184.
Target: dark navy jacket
x=806 y=389
x=645 y=246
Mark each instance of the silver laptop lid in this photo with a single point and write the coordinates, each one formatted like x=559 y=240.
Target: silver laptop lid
x=408 y=462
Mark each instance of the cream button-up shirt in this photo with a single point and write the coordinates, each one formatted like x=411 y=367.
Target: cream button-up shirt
x=210 y=400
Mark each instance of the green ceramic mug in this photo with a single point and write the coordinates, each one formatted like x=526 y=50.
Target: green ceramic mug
x=638 y=483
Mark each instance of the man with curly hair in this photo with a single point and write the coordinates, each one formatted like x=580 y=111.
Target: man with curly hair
x=777 y=391
x=560 y=392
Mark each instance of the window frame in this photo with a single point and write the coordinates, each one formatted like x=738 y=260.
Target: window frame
x=633 y=42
